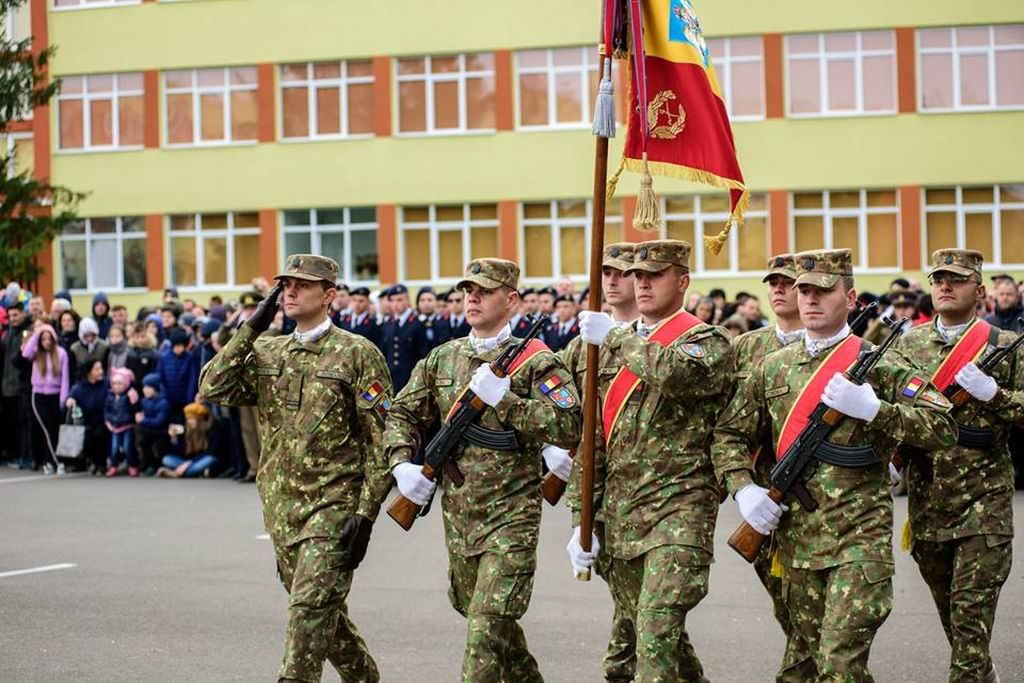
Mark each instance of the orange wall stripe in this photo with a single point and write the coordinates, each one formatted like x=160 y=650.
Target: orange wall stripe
x=40 y=115
x=268 y=243
x=387 y=243
x=265 y=102
x=906 y=75
x=504 y=115
x=151 y=108
x=910 y=227
x=774 y=83
x=778 y=219
x=155 y=252
x=382 y=96
x=508 y=230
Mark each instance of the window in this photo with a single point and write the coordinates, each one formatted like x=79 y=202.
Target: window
x=205 y=106
x=214 y=249
x=739 y=65
x=327 y=100
x=989 y=219
x=557 y=87
x=841 y=73
x=694 y=217
x=70 y=4
x=447 y=94
x=349 y=236
x=104 y=253
x=18 y=23
x=438 y=241
x=100 y=111
x=19 y=153
x=971 y=68
x=555 y=237
x=865 y=221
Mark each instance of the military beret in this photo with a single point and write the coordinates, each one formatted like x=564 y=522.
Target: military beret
x=547 y=290
x=527 y=290
x=397 y=289
x=361 y=291
x=564 y=297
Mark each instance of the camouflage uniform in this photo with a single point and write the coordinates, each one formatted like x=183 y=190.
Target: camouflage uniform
x=654 y=483
x=961 y=517
x=492 y=521
x=748 y=351
x=620 y=657
x=837 y=560
x=321 y=414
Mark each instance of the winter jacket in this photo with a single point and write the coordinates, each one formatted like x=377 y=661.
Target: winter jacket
x=119 y=412
x=156 y=413
x=48 y=383
x=141 y=362
x=1006 y=319
x=92 y=400
x=17 y=376
x=102 y=321
x=179 y=376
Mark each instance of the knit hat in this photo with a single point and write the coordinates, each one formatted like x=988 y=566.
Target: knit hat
x=87 y=326
x=197 y=411
x=179 y=337
x=124 y=374
x=187 y=319
x=209 y=328
x=151 y=380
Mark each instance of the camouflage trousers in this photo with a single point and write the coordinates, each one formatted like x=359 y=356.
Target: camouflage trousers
x=657 y=590
x=834 y=615
x=318 y=623
x=492 y=590
x=965 y=577
x=620 y=657
x=773 y=585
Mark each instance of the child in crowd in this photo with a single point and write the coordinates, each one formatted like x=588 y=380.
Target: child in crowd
x=89 y=395
x=50 y=386
x=117 y=357
x=179 y=374
x=200 y=446
x=142 y=355
x=119 y=414
x=152 y=421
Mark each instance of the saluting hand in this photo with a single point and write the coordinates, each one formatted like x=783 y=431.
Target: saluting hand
x=261 y=318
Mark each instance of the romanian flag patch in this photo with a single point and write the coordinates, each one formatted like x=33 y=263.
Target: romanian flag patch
x=373 y=393
x=558 y=392
x=551 y=384
x=913 y=387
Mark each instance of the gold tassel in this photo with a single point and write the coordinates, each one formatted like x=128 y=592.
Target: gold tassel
x=905 y=539
x=777 y=570
x=715 y=243
x=648 y=213
x=613 y=182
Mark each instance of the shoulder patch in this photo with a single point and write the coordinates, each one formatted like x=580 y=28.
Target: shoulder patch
x=558 y=392
x=693 y=350
x=373 y=393
x=913 y=387
x=933 y=398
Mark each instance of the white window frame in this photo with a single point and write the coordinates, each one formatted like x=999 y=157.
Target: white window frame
x=200 y=236
x=861 y=213
x=85 y=4
x=87 y=98
x=589 y=66
x=10 y=147
x=460 y=77
x=464 y=226
x=962 y=210
x=955 y=51
x=556 y=223
x=9 y=22
x=311 y=83
x=699 y=217
x=723 y=70
x=823 y=56
x=119 y=237
x=196 y=91
x=316 y=230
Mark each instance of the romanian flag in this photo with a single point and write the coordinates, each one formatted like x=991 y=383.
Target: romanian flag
x=678 y=125
x=550 y=385
x=913 y=386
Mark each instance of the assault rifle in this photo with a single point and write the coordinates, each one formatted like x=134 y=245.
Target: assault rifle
x=461 y=427
x=958 y=396
x=788 y=476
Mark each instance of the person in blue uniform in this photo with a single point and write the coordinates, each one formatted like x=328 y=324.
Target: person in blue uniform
x=402 y=338
x=520 y=322
x=560 y=332
x=435 y=331
x=360 y=320
x=456 y=318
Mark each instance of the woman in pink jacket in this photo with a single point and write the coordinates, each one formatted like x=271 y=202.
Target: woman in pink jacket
x=50 y=386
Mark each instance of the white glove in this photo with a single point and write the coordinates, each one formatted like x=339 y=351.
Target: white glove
x=558 y=460
x=894 y=475
x=581 y=560
x=977 y=383
x=759 y=511
x=412 y=484
x=594 y=327
x=488 y=386
x=854 y=400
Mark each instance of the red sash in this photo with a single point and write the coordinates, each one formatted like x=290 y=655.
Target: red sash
x=533 y=347
x=626 y=381
x=839 y=359
x=969 y=347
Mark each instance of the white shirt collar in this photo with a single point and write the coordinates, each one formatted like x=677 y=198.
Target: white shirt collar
x=404 y=317
x=314 y=334
x=787 y=338
x=483 y=344
x=951 y=332
x=816 y=346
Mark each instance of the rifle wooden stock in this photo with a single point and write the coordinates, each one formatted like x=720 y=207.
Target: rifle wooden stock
x=553 y=488
x=403 y=510
x=746 y=540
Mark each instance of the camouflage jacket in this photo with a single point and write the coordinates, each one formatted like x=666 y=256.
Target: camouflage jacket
x=321 y=418
x=654 y=482
x=971 y=490
x=499 y=504
x=854 y=519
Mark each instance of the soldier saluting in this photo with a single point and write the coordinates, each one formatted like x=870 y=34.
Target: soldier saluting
x=492 y=521
x=321 y=394
x=836 y=561
x=961 y=497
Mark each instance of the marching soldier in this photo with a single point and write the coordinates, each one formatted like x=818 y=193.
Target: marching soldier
x=492 y=521
x=961 y=501
x=837 y=561
x=321 y=394
x=657 y=493
x=402 y=338
x=750 y=350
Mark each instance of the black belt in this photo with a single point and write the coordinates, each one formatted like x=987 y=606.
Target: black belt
x=846 y=456
x=980 y=438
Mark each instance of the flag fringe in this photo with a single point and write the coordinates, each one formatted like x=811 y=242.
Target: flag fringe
x=906 y=540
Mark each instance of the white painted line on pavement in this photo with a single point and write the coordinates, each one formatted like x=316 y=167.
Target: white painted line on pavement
x=263 y=537
x=36 y=570
x=39 y=477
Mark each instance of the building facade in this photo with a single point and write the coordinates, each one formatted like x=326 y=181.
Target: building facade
x=403 y=138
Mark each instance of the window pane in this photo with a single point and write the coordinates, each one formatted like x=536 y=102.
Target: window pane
x=540 y=210
x=297 y=243
x=537 y=250
x=483 y=61
x=677 y=205
x=360 y=68
x=130 y=120
x=881 y=198
x=973 y=80
x=753 y=244
x=247 y=219
x=807 y=200
x=804 y=88
x=101 y=123
x=103 y=226
x=532 y=58
x=412 y=112
x=183 y=261
x=360 y=109
x=574 y=253
x=328 y=111
x=480 y=103
x=941 y=228
x=715 y=203
x=449 y=246
x=882 y=241
x=444 y=65
x=802 y=44
x=808 y=233
x=1010 y=35
x=937 y=81
x=244 y=115
x=878 y=83
x=746 y=89
x=71 y=118
x=841 y=85
x=876 y=40
x=533 y=99
x=572 y=208
x=215 y=260
x=296 y=217
x=978 y=232
x=746 y=47
x=844 y=200
x=103 y=255
x=721 y=260
x=134 y=262
x=1011 y=194
x=178 y=79
x=483 y=212
x=411 y=65
x=935 y=37
x=364 y=254
x=680 y=230
x=327 y=70
x=415 y=214
x=417 y=254
x=844 y=236
x=569 y=56
x=483 y=243
x=99 y=84
x=211 y=118
x=72 y=262
x=179 y=118
x=332 y=244
x=210 y=77
x=944 y=196
x=1010 y=78
x=1012 y=230
x=214 y=221
x=294 y=72
x=449 y=213
x=295 y=111
x=972 y=36
x=977 y=195
x=840 y=42
x=446 y=105
x=363 y=214
x=568 y=93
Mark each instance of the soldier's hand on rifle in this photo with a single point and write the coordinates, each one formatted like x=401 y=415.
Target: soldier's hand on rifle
x=355 y=537
x=488 y=386
x=580 y=559
x=412 y=484
x=594 y=327
x=261 y=318
x=853 y=400
x=558 y=461
x=977 y=383
x=757 y=509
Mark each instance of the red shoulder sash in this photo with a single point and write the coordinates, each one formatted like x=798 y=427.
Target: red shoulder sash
x=969 y=347
x=533 y=347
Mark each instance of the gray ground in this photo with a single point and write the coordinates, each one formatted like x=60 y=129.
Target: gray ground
x=172 y=583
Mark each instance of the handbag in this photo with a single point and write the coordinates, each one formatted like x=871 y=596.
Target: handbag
x=71 y=440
